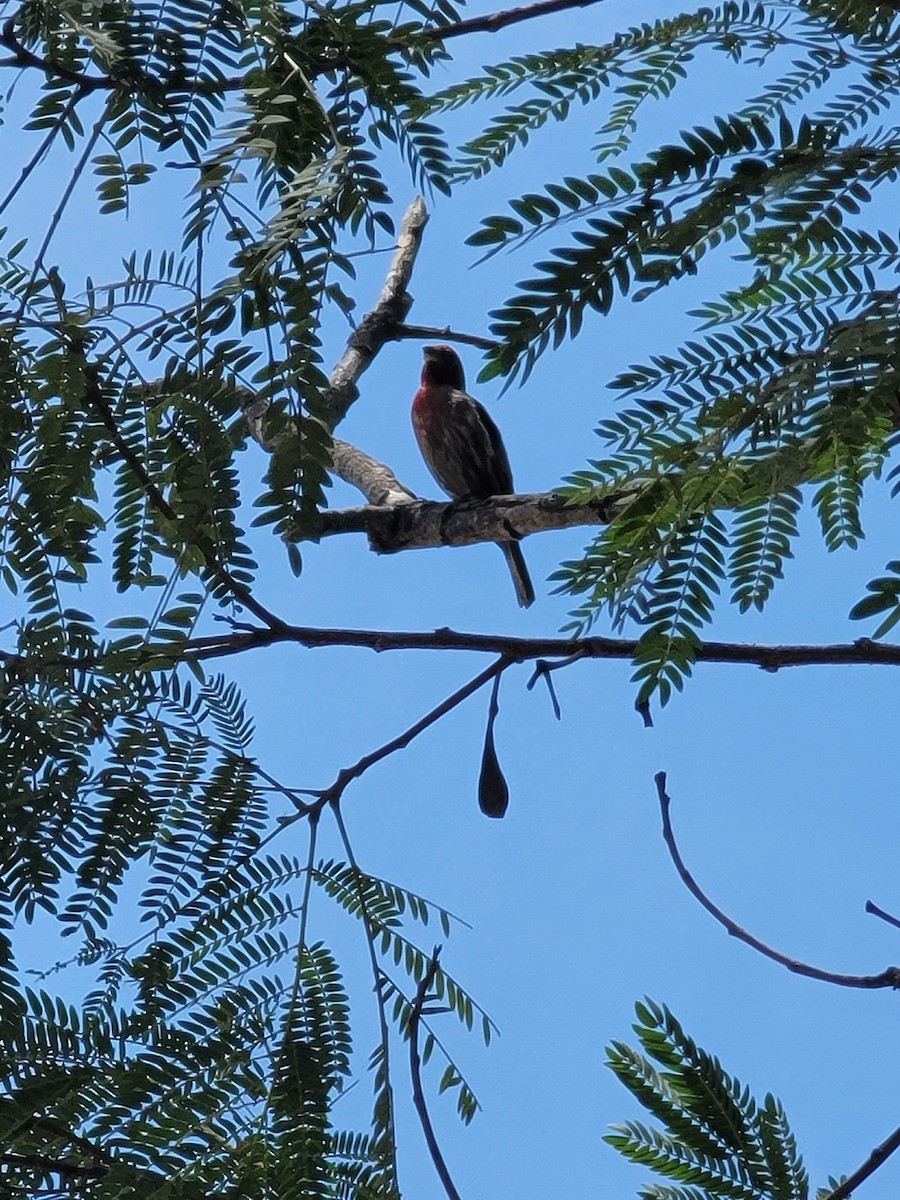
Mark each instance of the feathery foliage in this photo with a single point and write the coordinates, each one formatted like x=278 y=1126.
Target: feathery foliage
x=207 y=1051
x=716 y=1141
x=787 y=396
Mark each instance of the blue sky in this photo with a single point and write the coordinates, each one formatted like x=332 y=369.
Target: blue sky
x=784 y=793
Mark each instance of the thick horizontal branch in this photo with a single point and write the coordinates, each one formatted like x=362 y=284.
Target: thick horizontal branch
x=418 y=525
x=864 y=652
x=769 y=658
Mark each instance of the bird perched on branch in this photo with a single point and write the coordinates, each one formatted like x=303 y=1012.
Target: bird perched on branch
x=462 y=446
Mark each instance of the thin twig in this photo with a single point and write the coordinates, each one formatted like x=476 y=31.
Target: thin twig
x=544 y=670
x=889 y=978
x=446 y=334
x=57 y=216
x=491 y=22
x=415 y=1069
x=878 y=1156
x=879 y=912
x=304 y=912
x=333 y=794
x=41 y=151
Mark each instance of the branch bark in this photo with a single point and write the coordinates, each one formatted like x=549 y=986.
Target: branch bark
x=374 y=479
x=382 y=324
x=391 y=526
x=863 y=652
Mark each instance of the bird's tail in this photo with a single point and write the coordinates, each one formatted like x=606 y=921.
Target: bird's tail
x=519 y=572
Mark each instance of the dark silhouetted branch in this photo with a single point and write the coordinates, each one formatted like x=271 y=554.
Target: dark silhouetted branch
x=22 y=57
x=878 y=1156
x=333 y=794
x=428 y=333
x=66 y=1170
x=889 y=978
x=879 y=912
x=415 y=1069
x=492 y=22
x=864 y=652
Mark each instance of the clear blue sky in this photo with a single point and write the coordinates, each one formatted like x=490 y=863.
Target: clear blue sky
x=784 y=793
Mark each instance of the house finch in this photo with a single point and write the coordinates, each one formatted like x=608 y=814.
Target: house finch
x=462 y=446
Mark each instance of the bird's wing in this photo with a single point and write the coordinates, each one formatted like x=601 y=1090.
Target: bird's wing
x=483 y=458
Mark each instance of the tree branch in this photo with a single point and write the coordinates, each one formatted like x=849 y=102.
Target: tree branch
x=429 y=333
x=375 y=480
x=863 y=652
x=380 y=325
x=415 y=1070
x=889 y=978
x=878 y=1156
x=879 y=912
x=388 y=1138
x=429 y=523
x=332 y=795
x=499 y=20
x=21 y=57
x=26 y=59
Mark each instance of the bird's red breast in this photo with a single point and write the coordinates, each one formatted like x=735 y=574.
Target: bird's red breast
x=430 y=409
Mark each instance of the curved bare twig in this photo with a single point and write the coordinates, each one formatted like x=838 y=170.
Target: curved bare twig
x=889 y=978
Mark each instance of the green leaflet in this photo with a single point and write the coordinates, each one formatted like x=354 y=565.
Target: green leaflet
x=716 y=1140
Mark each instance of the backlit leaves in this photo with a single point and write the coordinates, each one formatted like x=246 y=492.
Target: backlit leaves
x=715 y=1140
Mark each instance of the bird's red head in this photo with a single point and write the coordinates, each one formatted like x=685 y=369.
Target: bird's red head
x=442 y=368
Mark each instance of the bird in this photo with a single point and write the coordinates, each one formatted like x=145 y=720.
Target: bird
x=462 y=446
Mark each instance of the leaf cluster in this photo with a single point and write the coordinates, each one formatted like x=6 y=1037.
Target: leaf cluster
x=787 y=396
x=715 y=1140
